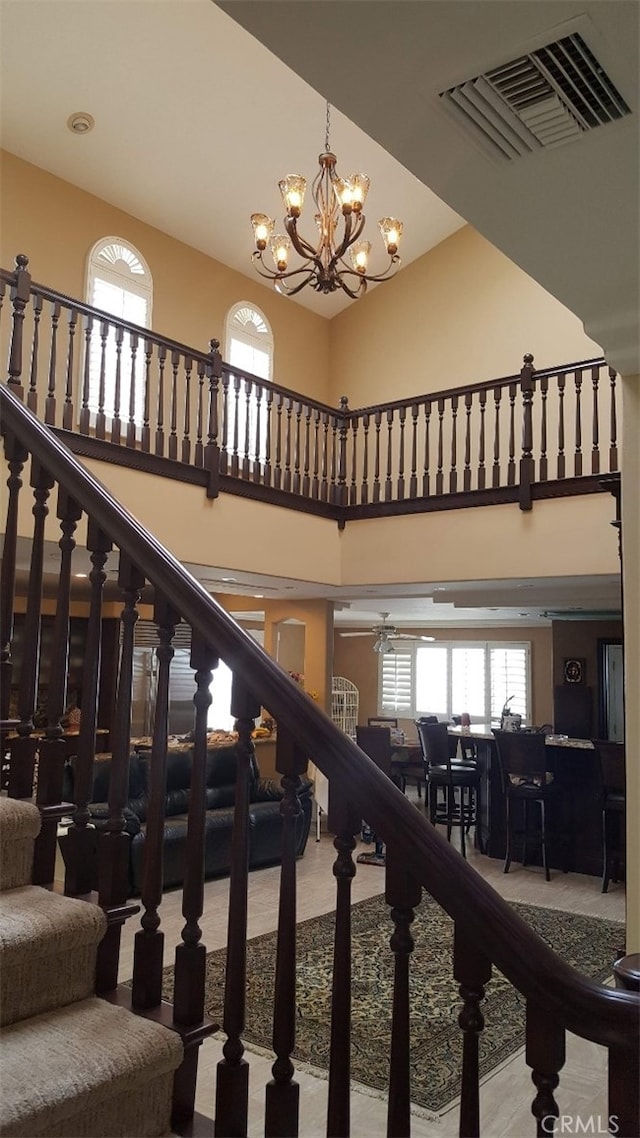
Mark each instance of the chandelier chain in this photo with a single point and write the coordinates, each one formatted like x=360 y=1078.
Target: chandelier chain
x=327 y=129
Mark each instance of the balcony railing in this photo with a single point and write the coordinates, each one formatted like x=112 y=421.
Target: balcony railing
x=127 y=394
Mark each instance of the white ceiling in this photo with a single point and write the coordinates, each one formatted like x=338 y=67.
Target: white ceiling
x=195 y=122
x=202 y=121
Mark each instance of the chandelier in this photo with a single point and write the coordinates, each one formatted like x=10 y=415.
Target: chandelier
x=339 y=204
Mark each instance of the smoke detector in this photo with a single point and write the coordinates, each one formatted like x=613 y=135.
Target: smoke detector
x=81 y=122
x=542 y=99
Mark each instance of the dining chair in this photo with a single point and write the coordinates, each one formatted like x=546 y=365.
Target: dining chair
x=611 y=759
x=527 y=783
x=458 y=805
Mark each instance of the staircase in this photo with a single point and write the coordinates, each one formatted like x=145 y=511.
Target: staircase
x=70 y=1063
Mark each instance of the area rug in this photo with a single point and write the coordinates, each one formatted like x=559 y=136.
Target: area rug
x=587 y=943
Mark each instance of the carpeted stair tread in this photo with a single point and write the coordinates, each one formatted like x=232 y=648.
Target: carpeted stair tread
x=19 y=825
x=87 y=1069
x=48 y=946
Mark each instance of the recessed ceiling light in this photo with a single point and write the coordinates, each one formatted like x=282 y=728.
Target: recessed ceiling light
x=258 y=596
x=81 y=122
x=228 y=580
x=81 y=574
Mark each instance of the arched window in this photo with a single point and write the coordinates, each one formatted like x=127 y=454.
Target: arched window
x=249 y=340
x=248 y=347
x=119 y=283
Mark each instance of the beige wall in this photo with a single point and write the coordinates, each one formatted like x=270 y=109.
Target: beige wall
x=462 y=313
x=356 y=661
x=631 y=590
x=56 y=225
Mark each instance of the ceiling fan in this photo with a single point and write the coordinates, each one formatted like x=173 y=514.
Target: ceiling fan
x=384 y=634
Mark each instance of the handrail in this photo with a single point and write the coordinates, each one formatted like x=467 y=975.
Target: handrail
x=603 y=1015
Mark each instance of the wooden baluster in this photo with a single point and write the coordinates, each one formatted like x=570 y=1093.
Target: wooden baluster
x=173 y=420
x=426 y=476
x=482 y=472
x=185 y=452
x=198 y=455
x=50 y=404
x=402 y=414
x=3 y=290
x=544 y=464
x=23 y=749
x=624 y=1062
x=259 y=457
x=16 y=457
x=333 y=472
x=306 y=479
x=212 y=455
x=344 y=821
x=32 y=394
x=283 y=1093
x=439 y=471
x=472 y=970
x=511 y=465
x=149 y=940
x=353 y=489
x=250 y=445
x=145 y=436
x=100 y=414
x=376 y=459
x=324 y=480
x=20 y=298
x=80 y=840
x=52 y=747
x=116 y=421
x=595 y=422
x=232 y=445
x=466 y=478
x=297 y=451
x=341 y=487
x=577 y=462
x=413 y=481
x=453 y=474
x=497 y=397
x=364 y=489
x=388 y=488
x=85 y=413
x=224 y=440
x=613 y=426
x=232 y=1089
x=527 y=471
x=286 y=483
x=403 y=894
x=277 y=473
x=162 y=358
x=113 y=844
x=133 y=390
x=545 y=1054
x=315 y=482
x=267 y=455
x=67 y=413
x=561 y=461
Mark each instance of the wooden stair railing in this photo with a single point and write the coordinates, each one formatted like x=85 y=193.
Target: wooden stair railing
x=488 y=932
x=190 y=416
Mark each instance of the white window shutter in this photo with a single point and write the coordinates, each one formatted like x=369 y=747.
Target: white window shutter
x=397 y=683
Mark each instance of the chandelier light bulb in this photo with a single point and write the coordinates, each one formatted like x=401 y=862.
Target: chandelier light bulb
x=360 y=256
x=263 y=227
x=391 y=230
x=280 y=246
x=293 y=189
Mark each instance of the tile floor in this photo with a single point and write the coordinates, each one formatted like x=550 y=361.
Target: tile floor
x=505 y=1096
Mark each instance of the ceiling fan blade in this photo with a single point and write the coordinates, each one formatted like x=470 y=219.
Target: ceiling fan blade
x=411 y=636
x=357 y=634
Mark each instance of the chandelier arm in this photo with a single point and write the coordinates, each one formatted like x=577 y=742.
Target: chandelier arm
x=350 y=235
x=276 y=278
x=361 y=289
x=300 y=244
x=345 y=268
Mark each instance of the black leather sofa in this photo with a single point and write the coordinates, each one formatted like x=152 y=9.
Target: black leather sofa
x=265 y=821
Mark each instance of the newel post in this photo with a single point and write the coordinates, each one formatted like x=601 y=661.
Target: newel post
x=527 y=382
x=20 y=297
x=212 y=449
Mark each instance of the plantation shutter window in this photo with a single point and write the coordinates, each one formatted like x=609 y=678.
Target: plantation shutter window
x=509 y=680
x=468 y=680
x=396 y=683
x=431 y=681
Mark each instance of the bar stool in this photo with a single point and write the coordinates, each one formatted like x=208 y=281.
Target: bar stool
x=460 y=782
x=613 y=775
x=526 y=783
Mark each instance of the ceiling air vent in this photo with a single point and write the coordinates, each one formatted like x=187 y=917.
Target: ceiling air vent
x=540 y=100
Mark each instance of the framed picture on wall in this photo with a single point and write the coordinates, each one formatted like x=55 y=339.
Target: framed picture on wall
x=574 y=670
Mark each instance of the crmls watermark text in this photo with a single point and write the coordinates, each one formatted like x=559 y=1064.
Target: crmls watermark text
x=575 y=1124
